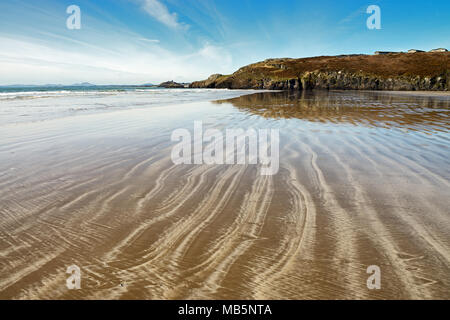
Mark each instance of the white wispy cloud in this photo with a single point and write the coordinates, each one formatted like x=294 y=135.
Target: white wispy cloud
x=38 y=62
x=149 y=40
x=102 y=52
x=160 y=12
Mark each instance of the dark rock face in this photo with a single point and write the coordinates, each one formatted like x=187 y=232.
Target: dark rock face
x=293 y=74
x=338 y=81
x=344 y=80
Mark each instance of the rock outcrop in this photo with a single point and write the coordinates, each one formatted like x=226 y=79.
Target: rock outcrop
x=171 y=85
x=402 y=71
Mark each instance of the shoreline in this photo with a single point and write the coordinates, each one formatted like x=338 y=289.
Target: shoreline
x=31 y=107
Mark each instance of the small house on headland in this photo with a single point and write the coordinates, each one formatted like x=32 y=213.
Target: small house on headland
x=415 y=51
x=439 y=50
x=378 y=53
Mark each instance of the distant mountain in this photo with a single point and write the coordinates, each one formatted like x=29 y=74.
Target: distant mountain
x=84 y=84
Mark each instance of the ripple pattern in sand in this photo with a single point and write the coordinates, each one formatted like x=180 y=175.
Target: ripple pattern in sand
x=141 y=227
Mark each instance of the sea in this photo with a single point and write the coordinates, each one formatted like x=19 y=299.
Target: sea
x=21 y=104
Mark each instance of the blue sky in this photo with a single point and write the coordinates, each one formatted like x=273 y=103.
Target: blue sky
x=143 y=41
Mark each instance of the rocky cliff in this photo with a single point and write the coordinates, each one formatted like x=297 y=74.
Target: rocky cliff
x=398 y=71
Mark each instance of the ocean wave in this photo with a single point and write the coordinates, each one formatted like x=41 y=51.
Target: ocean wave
x=46 y=105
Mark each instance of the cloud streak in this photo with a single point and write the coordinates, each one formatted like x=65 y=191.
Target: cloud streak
x=37 y=62
x=149 y=40
x=161 y=13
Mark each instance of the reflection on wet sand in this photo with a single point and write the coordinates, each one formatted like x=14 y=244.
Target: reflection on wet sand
x=377 y=109
x=364 y=180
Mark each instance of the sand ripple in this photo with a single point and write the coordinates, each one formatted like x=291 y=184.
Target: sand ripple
x=347 y=196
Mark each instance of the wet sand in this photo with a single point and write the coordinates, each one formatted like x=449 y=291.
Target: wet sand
x=364 y=180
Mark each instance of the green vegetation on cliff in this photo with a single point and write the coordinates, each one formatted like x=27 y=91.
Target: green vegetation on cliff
x=397 y=71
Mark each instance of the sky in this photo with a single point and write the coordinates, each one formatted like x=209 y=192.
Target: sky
x=151 y=41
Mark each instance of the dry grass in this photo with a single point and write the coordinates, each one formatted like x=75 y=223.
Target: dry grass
x=391 y=65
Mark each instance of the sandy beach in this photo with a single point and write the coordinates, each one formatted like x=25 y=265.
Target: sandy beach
x=364 y=180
